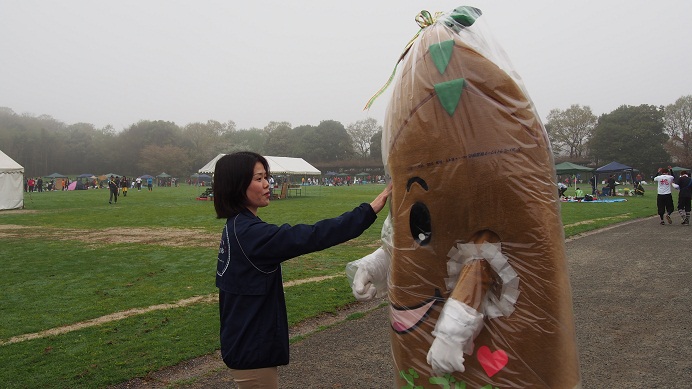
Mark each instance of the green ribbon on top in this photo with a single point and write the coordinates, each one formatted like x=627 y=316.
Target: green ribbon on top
x=424 y=19
x=464 y=16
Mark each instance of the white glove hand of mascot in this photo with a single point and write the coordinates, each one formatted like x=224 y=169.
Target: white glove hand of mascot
x=369 y=275
x=454 y=332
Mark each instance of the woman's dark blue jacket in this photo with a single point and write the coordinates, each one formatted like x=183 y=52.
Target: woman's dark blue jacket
x=254 y=324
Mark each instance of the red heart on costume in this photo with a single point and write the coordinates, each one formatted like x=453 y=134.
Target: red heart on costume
x=491 y=362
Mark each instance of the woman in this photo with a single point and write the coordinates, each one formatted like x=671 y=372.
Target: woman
x=254 y=324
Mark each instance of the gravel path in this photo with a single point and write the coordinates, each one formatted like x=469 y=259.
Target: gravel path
x=631 y=294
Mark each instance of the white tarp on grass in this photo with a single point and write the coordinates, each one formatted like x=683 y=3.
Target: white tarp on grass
x=277 y=165
x=11 y=183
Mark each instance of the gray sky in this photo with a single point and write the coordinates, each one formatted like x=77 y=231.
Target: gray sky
x=303 y=61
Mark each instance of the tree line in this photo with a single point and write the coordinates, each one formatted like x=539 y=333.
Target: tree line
x=645 y=137
x=44 y=145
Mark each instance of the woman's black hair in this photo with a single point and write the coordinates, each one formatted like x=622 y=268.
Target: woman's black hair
x=232 y=176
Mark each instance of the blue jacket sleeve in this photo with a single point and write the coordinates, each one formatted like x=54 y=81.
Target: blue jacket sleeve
x=267 y=244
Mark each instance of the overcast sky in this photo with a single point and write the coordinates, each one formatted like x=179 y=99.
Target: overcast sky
x=304 y=61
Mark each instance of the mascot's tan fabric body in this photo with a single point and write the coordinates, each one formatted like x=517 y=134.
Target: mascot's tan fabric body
x=474 y=248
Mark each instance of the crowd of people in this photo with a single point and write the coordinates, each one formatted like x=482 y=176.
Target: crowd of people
x=37 y=184
x=349 y=180
x=117 y=186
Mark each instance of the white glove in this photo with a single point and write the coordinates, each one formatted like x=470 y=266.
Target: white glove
x=368 y=275
x=454 y=332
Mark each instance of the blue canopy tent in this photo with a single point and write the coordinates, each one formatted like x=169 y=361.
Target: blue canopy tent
x=56 y=175
x=83 y=180
x=614 y=167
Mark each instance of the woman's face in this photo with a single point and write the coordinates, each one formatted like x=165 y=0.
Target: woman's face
x=257 y=192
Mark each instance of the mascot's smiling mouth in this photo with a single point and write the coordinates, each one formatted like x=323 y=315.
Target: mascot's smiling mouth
x=406 y=319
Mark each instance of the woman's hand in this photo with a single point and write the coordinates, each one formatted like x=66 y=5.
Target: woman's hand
x=381 y=199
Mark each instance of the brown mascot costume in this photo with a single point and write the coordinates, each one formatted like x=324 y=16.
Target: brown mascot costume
x=473 y=256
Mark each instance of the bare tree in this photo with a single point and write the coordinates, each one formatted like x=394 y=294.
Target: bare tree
x=571 y=129
x=361 y=133
x=272 y=126
x=678 y=126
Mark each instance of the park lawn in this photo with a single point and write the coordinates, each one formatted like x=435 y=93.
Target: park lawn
x=56 y=273
x=49 y=284
x=582 y=217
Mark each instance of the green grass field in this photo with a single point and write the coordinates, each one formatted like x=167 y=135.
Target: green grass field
x=71 y=257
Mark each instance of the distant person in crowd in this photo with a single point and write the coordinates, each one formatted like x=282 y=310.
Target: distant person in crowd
x=39 y=184
x=31 y=184
x=113 y=190
x=611 y=184
x=579 y=194
x=664 y=200
x=124 y=184
x=271 y=186
x=594 y=185
x=561 y=189
x=139 y=183
x=684 y=184
x=150 y=184
x=252 y=307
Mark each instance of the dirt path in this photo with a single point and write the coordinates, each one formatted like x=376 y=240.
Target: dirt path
x=109 y=318
x=175 y=237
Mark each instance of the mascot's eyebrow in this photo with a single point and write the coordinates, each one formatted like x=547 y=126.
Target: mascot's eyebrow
x=418 y=180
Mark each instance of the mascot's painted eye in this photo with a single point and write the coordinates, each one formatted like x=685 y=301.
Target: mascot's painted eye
x=420 y=224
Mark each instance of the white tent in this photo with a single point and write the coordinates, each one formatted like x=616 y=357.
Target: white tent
x=11 y=183
x=277 y=165
x=289 y=165
x=209 y=167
